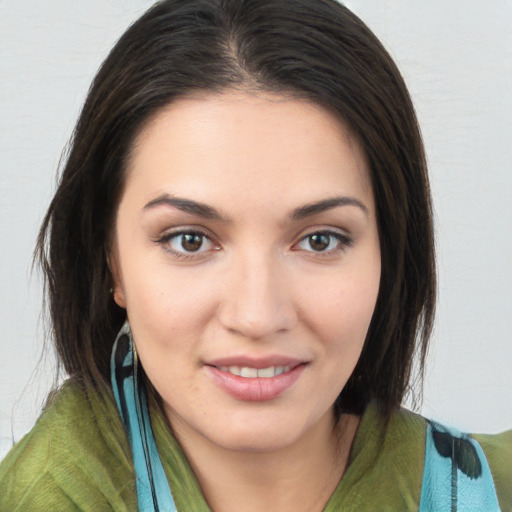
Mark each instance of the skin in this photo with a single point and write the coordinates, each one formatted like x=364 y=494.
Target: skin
x=258 y=286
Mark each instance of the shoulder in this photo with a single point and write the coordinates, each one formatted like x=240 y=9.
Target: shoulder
x=457 y=470
x=387 y=466
x=75 y=458
x=498 y=451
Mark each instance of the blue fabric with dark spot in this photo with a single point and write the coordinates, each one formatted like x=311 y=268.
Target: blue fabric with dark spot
x=456 y=476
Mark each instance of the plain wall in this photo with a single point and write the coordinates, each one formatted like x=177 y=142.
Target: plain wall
x=457 y=60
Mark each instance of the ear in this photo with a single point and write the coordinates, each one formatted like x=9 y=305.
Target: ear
x=117 y=285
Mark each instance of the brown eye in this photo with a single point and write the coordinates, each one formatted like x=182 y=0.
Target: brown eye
x=192 y=242
x=319 y=242
x=187 y=243
x=326 y=242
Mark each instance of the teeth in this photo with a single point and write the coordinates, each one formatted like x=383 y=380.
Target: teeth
x=248 y=372
x=266 y=372
x=235 y=370
x=252 y=373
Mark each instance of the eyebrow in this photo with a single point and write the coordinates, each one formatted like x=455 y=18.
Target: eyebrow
x=326 y=204
x=208 y=212
x=187 y=206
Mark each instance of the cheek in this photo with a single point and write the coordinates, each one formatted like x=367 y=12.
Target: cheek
x=156 y=289
x=169 y=317
x=169 y=303
x=342 y=308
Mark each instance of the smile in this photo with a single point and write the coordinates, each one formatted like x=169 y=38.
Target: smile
x=251 y=384
x=253 y=373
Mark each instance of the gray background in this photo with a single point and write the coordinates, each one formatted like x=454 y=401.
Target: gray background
x=456 y=57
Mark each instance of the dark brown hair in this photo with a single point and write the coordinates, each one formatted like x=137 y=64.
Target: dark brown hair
x=315 y=49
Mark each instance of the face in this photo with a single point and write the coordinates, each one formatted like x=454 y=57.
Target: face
x=247 y=256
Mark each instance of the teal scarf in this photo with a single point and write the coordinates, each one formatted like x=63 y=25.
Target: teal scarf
x=153 y=492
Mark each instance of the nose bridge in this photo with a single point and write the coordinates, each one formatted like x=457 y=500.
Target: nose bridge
x=258 y=300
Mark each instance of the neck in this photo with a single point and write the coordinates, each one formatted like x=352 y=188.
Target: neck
x=301 y=476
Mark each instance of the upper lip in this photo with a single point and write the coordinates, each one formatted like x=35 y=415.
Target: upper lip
x=256 y=362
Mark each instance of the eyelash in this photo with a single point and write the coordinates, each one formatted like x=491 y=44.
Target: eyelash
x=342 y=242
x=166 y=239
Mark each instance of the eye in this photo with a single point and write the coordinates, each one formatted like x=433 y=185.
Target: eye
x=185 y=244
x=324 y=242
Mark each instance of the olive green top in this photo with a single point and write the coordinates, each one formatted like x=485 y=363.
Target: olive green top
x=77 y=458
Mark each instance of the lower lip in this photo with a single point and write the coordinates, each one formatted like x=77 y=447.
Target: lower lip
x=257 y=389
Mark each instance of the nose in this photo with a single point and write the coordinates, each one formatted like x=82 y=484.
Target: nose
x=258 y=299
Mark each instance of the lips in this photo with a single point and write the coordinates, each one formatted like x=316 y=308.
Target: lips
x=259 y=363
x=251 y=373
x=251 y=379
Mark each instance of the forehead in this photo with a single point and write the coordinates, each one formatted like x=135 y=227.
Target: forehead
x=236 y=143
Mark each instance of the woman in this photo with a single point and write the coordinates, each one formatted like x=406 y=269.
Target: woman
x=247 y=188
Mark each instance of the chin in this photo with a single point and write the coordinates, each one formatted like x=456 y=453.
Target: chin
x=250 y=440
x=264 y=431
x=255 y=431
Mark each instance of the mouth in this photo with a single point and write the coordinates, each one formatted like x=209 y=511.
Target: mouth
x=252 y=373
x=256 y=382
